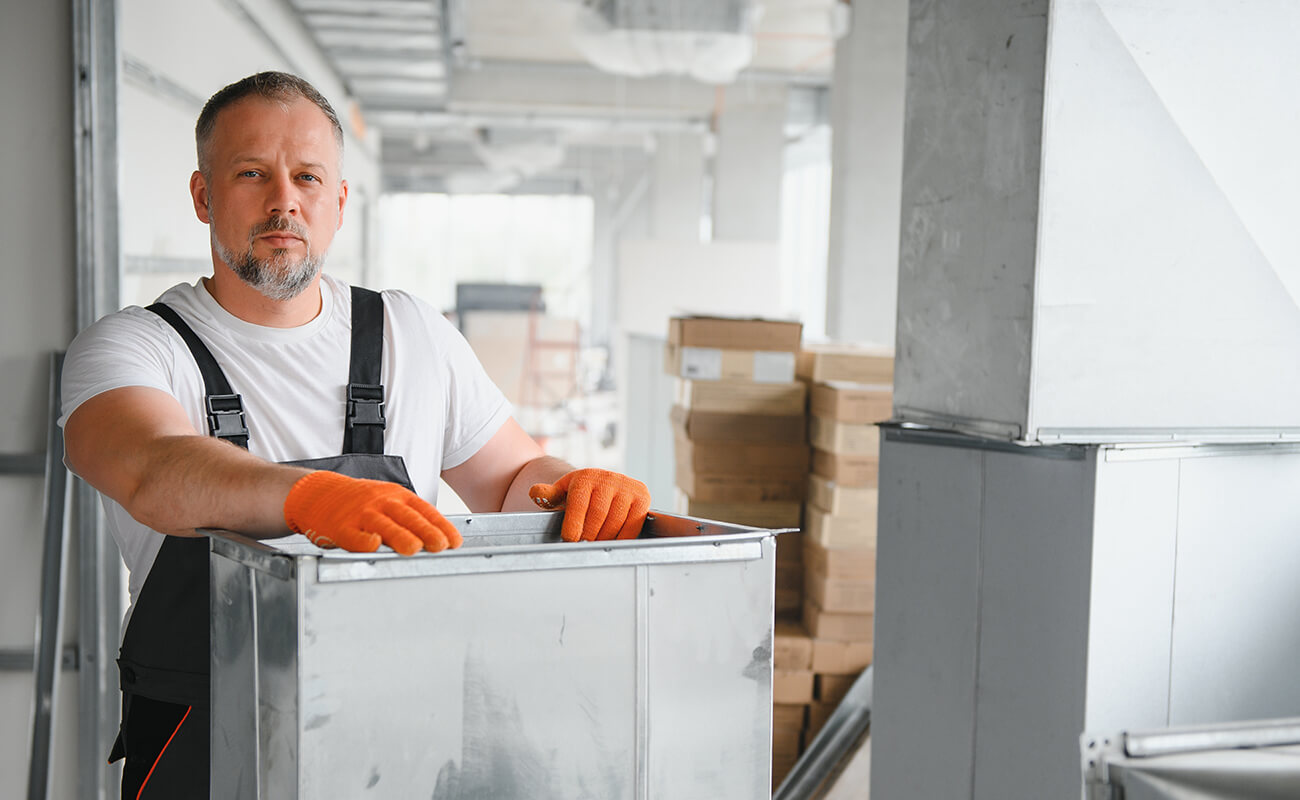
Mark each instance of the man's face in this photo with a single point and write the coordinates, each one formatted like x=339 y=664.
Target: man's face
x=273 y=196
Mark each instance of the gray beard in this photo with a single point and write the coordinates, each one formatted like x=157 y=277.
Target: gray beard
x=277 y=277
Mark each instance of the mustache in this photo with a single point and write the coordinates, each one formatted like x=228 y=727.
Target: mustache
x=277 y=224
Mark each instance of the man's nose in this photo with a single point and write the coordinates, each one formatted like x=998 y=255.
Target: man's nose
x=283 y=198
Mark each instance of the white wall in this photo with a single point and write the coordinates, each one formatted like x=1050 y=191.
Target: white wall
x=37 y=311
x=867 y=118
x=158 y=38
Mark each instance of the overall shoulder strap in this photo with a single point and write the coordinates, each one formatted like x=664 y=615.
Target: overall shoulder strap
x=364 y=429
x=224 y=408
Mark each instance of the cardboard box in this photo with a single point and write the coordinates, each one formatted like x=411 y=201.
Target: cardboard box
x=782 y=765
x=730 y=333
x=849 y=531
x=787 y=715
x=846 y=469
x=842 y=500
x=843 y=437
x=718 y=488
x=791 y=646
x=724 y=426
x=714 y=364
x=831 y=689
x=831 y=657
x=851 y=563
x=837 y=625
x=790 y=576
x=787 y=601
x=786 y=740
x=792 y=686
x=818 y=713
x=761 y=459
x=789 y=550
x=853 y=596
x=761 y=515
x=846 y=362
x=857 y=403
x=741 y=397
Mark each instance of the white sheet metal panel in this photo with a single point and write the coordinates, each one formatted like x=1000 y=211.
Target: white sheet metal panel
x=1236 y=630
x=1022 y=600
x=1035 y=559
x=927 y=590
x=1132 y=597
x=515 y=666
x=1158 y=250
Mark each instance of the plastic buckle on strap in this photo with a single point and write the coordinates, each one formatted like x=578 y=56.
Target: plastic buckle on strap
x=226 y=416
x=365 y=405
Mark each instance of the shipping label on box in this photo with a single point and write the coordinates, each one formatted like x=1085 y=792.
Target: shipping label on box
x=792 y=646
x=733 y=489
x=723 y=426
x=792 y=686
x=729 y=333
x=824 y=624
x=850 y=595
x=764 y=459
x=842 y=500
x=842 y=437
x=741 y=397
x=713 y=364
x=830 y=530
x=831 y=657
x=859 y=364
x=855 y=403
x=849 y=563
x=847 y=470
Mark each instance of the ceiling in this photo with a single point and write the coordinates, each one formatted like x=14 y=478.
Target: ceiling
x=496 y=94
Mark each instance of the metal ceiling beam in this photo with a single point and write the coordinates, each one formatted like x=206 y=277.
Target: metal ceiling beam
x=413 y=8
x=371 y=22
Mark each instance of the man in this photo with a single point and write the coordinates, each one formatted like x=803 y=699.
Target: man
x=269 y=399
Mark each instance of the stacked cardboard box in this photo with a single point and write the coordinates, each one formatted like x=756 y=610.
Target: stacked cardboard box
x=742 y=455
x=850 y=390
x=738 y=421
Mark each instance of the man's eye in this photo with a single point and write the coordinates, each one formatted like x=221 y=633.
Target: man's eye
x=249 y=173
x=309 y=177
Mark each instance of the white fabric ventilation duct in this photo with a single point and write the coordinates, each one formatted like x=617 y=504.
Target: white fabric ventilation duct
x=709 y=40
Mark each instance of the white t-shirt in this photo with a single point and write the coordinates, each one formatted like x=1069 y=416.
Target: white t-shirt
x=440 y=410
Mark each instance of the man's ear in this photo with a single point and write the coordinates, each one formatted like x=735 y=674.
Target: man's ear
x=343 y=200
x=199 y=194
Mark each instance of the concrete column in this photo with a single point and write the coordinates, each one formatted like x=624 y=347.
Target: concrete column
x=677 y=186
x=748 y=165
x=867 y=164
x=37 y=316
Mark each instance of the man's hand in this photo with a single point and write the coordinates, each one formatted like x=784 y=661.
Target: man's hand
x=333 y=510
x=597 y=504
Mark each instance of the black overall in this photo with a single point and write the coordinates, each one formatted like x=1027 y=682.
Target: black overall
x=166 y=650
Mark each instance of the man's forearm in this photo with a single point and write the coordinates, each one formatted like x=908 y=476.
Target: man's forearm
x=544 y=469
x=190 y=482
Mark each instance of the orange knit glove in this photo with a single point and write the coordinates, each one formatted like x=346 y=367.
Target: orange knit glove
x=597 y=504
x=333 y=510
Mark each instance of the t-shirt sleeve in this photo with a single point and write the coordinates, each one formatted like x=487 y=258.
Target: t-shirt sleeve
x=476 y=407
x=128 y=348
